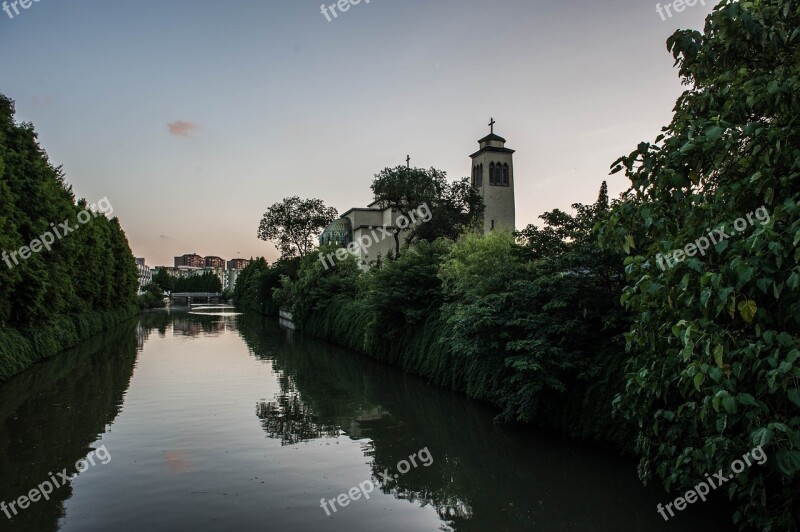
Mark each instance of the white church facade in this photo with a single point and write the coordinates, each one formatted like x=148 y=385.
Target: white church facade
x=368 y=233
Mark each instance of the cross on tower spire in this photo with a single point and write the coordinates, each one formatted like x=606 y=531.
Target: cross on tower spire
x=491 y=125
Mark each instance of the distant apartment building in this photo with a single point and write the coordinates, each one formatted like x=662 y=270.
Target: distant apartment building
x=145 y=274
x=215 y=262
x=190 y=261
x=238 y=264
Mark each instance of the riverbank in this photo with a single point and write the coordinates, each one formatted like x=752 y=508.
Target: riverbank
x=582 y=412
x=19 y=350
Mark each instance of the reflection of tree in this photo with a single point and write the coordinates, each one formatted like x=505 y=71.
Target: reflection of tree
x=291 y=421
x=484 y=476
x=326 y=391
x=154 y=319
x=197 y=324
x=52 y=413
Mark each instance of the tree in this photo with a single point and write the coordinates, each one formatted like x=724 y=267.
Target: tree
x=458 y=210
x=293 y=223
x=714 y=347
x=456 y=207
x=164 y=280
x=152 y=297
x=406 y=189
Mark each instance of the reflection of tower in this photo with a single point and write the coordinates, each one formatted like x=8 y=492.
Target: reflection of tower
x=493 y=176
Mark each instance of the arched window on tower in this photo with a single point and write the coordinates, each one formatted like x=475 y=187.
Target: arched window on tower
x=480 y=175
x=491 y=174
x=505 y=175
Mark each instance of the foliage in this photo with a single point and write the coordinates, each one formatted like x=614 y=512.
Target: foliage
x=197 y=282
x=152 y=297
x=459 y=209
x=715 y=348
x=510 y=324
x=19 y=349
x=86 y=283
x=89 y=269
x=456 y=207
x=255 y=284
x=164 y=280
x=293 y=223
x=204 y=282
x=539 y=319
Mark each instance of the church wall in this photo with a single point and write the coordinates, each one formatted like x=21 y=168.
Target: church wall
x=365 y=217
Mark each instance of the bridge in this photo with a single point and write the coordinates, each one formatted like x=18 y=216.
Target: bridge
x=189 y=297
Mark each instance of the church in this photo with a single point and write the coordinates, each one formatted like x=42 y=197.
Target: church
x=368 y=233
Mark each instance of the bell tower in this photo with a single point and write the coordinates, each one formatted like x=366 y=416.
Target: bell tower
x=493 y=177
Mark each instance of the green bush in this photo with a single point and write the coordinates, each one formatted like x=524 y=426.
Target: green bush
x=715 y=347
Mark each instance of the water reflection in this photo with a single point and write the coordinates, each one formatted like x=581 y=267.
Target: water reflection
x=291 y=421
x=485 y=477
x=190 y=455
x=52 y=414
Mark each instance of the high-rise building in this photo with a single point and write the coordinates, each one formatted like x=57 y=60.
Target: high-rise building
x=215 y=262
x=238 y=264
x=192 y=261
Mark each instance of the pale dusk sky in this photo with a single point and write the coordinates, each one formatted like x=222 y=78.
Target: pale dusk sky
x=193 y=117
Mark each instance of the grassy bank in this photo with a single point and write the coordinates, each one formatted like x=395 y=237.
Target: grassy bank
x=20 y=349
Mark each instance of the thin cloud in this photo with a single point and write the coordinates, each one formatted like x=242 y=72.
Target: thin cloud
x=181 y=128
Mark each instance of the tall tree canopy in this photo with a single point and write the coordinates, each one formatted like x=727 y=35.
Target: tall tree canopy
x=91 y=268
x=456 y=207
x=293 y=223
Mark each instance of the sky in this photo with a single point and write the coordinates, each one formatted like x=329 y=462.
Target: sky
x=194 y=116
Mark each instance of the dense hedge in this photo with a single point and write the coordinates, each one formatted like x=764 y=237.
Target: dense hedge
x=84 y=283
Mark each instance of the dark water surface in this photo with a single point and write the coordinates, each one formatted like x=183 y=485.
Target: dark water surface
x=213 y=422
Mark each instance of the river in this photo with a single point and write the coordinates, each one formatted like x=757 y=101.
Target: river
x=216 y=421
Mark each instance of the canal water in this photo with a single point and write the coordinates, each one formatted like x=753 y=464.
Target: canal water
x=214 y=421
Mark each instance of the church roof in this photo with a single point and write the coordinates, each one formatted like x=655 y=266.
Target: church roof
x=493 y=149
x=492 y=136
x=362 y=209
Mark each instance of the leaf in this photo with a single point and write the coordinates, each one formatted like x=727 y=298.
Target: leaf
x=718 y=351
x=729 y=403
x=698 y=380
x=788 y=461
x=772 y=87
x=747 y=399
x=629 y=244
x=714 y=133
x=762 y=436
x=794 y=396
x=748 y=309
